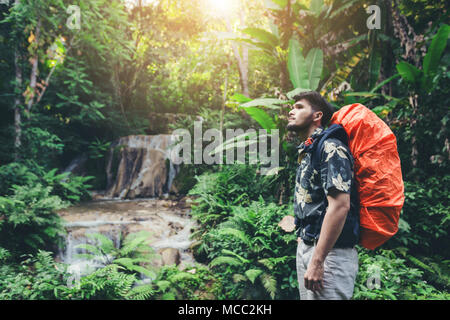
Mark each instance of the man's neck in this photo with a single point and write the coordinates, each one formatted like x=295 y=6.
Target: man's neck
x=303 y=135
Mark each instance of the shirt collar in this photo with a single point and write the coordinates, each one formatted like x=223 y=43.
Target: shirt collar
x=302 y=146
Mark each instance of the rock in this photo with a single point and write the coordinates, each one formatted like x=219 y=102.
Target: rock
x=287 y=223
x=170 y=256
x=174 y=228
x=139 y=169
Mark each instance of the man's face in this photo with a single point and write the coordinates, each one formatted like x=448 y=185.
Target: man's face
x=301 y=116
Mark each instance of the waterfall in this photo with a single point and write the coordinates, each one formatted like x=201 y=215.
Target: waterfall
x=173 y=170
x=141 y=170
x=138 y=166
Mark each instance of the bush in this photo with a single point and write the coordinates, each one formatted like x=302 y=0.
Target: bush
x=35 y=278
x=382 y=275
x=425 y=218
x=218 y=192
x=28 y=221
x=28 y=173
x=252 y=256
x=108 y=283
x=194 y=283
x=15 y=173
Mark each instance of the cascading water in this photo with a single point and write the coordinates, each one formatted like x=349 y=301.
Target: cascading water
x=141 y=167
x=142 y=175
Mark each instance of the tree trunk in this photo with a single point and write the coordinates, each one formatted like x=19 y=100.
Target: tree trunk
x=34 y=70
x=242 y=62
x=245 y=90
x=16 y=107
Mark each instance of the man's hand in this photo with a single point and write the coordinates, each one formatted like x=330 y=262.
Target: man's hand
x=314 y=276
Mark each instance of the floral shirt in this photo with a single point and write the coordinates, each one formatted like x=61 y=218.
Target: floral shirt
x=312 y=187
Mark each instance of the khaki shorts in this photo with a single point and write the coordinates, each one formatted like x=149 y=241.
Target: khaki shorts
x=340 y=269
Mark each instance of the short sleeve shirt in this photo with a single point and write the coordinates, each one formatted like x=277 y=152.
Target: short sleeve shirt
x=312 y=188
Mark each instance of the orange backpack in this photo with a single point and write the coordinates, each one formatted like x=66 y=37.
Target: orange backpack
x=377 y=171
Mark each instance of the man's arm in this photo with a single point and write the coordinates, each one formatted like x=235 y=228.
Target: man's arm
x=333 y=222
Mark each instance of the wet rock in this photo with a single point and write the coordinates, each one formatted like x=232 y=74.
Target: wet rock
x=137 y=167
x=170 y=256
x=175 y=228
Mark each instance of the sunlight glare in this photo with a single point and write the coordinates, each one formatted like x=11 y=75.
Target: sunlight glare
x=222 y=7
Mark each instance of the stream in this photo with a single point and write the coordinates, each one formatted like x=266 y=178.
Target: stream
x=168 y=222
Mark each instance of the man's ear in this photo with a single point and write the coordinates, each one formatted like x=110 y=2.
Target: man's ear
x=318 y=115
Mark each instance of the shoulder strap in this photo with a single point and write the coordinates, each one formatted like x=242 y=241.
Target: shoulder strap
x=333 y=131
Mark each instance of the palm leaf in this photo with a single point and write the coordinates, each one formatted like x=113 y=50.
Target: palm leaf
x=262 y=36
x=266 y=102
x=260 y=116
x=297 y=66
x=437 y=47
x=314 y=63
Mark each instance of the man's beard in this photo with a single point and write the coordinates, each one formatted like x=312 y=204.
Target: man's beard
x=298 y=127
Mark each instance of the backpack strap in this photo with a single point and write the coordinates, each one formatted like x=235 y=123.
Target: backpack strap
x=334 y=131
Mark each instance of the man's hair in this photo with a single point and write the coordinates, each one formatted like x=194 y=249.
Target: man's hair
x=318 y=103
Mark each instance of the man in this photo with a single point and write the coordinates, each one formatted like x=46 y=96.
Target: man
x=325 y=205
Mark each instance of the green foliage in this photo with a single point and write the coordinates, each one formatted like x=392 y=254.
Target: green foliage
x=28 y=219
x=134 y=254
x=193 y=283
x=219 y=192
x=15 y=173
x=426 y=216
x=251 y=255
x=107 y=283
x=35 y=278
x=101 y=81
x=64 y=185
x=382 y=275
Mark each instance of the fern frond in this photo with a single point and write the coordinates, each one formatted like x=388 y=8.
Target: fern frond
x=236 y=234
x=106 y=244
x=142 y=292
x=231 y=253
x=237 y=277
x=225 y=260
x=270 y=284
x=163 y=285
x=181 y=276
x=252 y=274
